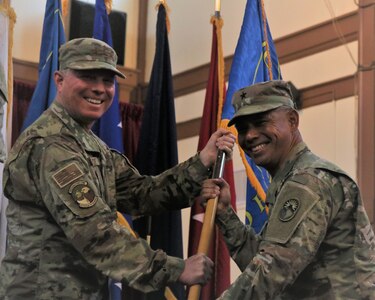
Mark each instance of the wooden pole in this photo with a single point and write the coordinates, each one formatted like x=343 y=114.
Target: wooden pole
x=208 y=222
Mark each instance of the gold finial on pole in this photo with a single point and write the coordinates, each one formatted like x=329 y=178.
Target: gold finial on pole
x=108 y=6
x=217 y=8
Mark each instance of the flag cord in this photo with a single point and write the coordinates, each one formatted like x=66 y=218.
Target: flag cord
x=338 y=31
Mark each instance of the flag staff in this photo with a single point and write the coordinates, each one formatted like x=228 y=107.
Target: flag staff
x=208 y=222
x=211 y=207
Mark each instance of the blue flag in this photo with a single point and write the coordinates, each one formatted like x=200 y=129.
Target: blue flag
x=255 y=60
x=108 y=127
x=53 y=37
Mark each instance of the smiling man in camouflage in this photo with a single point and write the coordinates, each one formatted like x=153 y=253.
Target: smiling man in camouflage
x=318 y=242
x=65 y=185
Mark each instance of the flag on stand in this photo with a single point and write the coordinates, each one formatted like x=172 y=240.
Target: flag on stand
x=255 y=60
x=215 y=94
x=157 y=149
x=108 y=128
x=53 y=37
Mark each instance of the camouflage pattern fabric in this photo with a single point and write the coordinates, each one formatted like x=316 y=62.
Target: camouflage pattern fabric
x=318 y=243
x=88 y=54
x=64 y=187
x=261 y=97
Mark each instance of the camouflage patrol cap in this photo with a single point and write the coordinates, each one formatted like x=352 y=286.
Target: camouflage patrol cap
x=261 y=97
x=3 y=86
x=87 y=54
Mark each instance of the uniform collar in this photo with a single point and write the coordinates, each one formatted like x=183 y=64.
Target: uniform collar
x=292 y=157
x=86 y=137
x=296 y=152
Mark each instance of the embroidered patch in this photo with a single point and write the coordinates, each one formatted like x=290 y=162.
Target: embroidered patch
x=83 y=194
x=289 y=210
x=67 y=175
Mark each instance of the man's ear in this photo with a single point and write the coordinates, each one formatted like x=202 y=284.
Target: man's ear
x=58 y=77
x=293 y=118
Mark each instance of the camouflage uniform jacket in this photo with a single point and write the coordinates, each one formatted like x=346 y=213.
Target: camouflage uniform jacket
x=318 y=243
x=64 y=187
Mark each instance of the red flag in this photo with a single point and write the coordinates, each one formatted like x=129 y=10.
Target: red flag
x=215 y=93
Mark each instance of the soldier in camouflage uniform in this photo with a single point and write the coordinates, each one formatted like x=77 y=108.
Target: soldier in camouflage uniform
x=65 y=185
x=318 y=242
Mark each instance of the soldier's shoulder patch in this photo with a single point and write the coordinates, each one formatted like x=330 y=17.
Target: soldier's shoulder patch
x=83 y=194
x=67 y=175
x=293 y=203
x=289 y=210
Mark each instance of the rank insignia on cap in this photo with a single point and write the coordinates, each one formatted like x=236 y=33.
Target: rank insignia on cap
x=67 y=175
x=83 y=194
x=289 y=210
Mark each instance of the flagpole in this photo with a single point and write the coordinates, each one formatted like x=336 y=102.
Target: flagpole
x=208 y=222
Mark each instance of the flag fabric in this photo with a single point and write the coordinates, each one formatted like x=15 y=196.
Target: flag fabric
x=108 y=127
x=255 y=60
x=157 y=149
x=53 y=37
x=215 y=94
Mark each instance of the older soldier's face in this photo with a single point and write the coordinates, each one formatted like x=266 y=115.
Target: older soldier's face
x=85 y=94
x=267 y=137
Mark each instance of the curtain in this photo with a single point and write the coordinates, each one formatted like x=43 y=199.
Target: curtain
x=22 y=93
x=131 y=117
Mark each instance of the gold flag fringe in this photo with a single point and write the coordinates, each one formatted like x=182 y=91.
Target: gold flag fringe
x=64 y=7
x=123 y=222
x=108 y=6
x=218 y=22
x=268 y=53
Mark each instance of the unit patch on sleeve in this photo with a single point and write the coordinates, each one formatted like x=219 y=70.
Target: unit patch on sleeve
x=83 y=194
x=289 y=210
x=67 y=175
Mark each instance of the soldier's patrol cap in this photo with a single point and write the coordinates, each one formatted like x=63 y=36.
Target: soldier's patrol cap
x=261 y=97
x=88 y=54
x=3 y=86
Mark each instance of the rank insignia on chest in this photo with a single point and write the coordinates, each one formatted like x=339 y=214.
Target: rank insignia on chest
x=83 y=194
x=289 y=210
